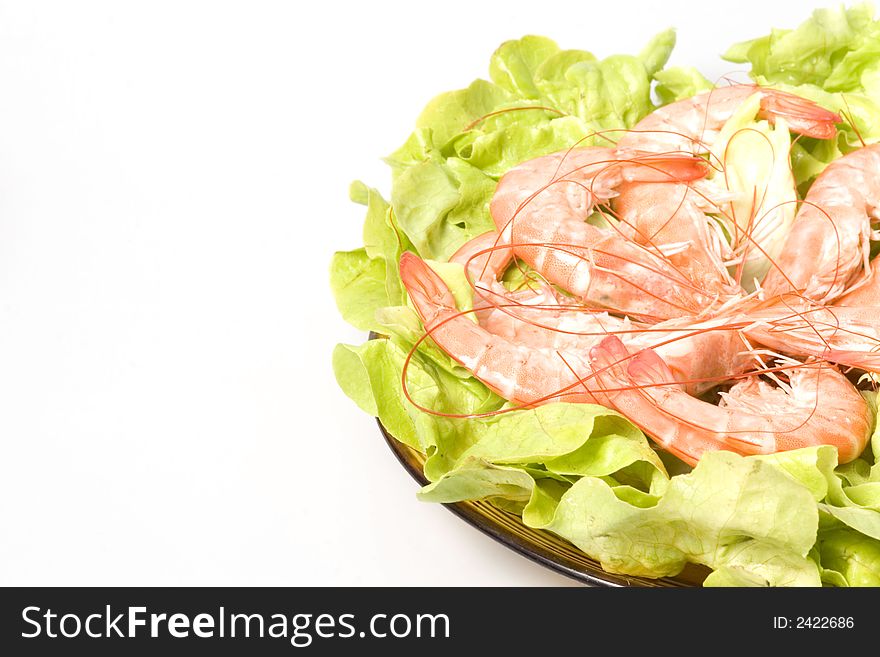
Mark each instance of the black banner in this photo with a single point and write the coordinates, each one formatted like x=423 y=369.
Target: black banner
x=334 y=621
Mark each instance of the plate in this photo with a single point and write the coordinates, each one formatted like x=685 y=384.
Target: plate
x=540 y=546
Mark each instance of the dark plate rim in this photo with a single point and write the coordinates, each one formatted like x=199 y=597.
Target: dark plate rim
x=474 y=519
x=469 y=512
x=534 y=552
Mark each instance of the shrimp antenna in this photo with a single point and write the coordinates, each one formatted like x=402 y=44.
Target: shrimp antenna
x=851 y=120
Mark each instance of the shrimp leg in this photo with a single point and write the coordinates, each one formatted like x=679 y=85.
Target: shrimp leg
x=822 y=408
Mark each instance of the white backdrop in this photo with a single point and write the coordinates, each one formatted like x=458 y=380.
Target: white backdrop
x=173 y=182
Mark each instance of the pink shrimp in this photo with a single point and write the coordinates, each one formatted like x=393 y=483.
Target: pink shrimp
x=485 y=259
x=692 y=125
x=821 y=408
x=540 y=208
x=847 y=335
x=517 y=372
x=660 y=215
x=866 y=292
x=830 y=239
x=536 y=315
x=701 y=354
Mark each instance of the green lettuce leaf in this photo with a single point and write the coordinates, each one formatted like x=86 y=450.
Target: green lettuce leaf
x=358 y=284
x=812 y=467
x=370 y=374
x=560 y=439
x=505 y=140
x=452 y=112
x=825 y=47
x=848 y=558
x=480 y=480
x=569 y=439
x=832 y=58
x=515 y=64
x=678 y=83
x=607 y=94
x=740 y=516
x=582 y=471
x=441 y=206
x=419 y=147
x=367 y=279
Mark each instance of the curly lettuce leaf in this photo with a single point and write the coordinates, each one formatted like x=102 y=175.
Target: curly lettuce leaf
x=505 y=140
x=832 y=58
x=610 y=93
x=848 y=558
x=370 y=374
x=569 y=439
x=514 y=65
x=561 y=440
x=450 y=113
x=579 y=470
x=739 y=516
x=828 y=50
x=366 y=279
x=679 y=82
x=440 y=206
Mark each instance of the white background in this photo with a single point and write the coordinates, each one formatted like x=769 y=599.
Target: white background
x=173 y=182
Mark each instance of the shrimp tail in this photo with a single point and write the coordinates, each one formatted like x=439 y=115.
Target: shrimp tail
x=426 y=289
x=608 y=355
x=636 y=391
x=607 y=360
x=645 y=368
x=803 y=116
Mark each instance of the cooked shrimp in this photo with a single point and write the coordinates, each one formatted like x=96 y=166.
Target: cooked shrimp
x=537 y=315
x=537 y=321
x=660 y=215
x=517 y=372
x=693 y=125
x=865 y=292
x=701 y=354
x=830 y=239
x=820 y=407
x=848 y=335
x=540 y=208
x=485 y=258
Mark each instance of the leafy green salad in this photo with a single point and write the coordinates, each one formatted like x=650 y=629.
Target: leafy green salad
x=583 y=471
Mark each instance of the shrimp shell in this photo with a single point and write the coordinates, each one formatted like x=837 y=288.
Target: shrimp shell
x=821 y=408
